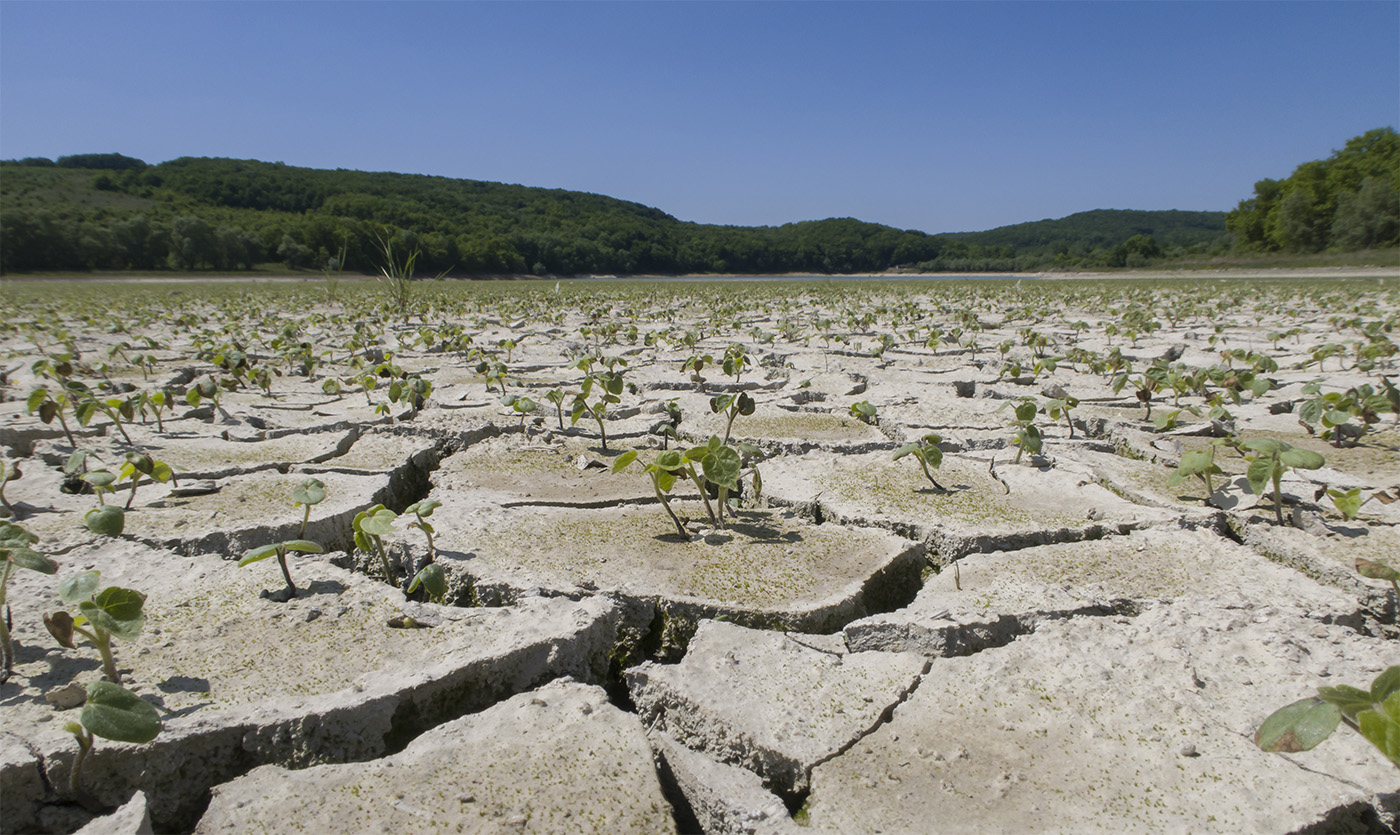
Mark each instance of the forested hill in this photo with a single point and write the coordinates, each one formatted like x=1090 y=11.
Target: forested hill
x=113 y=212
x=1102 y=237
x=107 y=211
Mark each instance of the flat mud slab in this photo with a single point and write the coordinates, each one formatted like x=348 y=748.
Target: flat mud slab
x=989 y=600
x=1117 y=724
x=556 y=759
x=975 y=512
x=773 y=569
x=247 y=681
x=775 y=704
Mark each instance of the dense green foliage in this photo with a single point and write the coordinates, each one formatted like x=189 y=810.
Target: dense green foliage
x=1099 y=238
x=190 y=214
x=1349 y=201
x=113 y=212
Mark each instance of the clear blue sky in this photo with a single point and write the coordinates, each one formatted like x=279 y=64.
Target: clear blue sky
x=940 y=116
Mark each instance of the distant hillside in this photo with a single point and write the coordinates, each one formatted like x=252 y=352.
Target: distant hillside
x=113 y=212
x=106 y=211
x=1098 y=238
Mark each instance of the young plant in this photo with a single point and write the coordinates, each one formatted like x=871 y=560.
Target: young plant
x=556 y=396
x=736 y=359
x=609 y=384
x=8 y=472
x=521 y=406
x=1374 y=713
x=371 y=526
x=113 y=612
x=928 y=453
x=158 y=401
x=421 y=511
x=864 y=412
x=50 y=406
x=663 y=471
x=1055 y=407
x=139 y=464
x=1347 y=502
x=1379 y=571
x=116 y=409
x=306 y=494
x=1269 y=459
x=15 y=549
x=731 y=406
x=1027 y=437
x=1201 y=464
x=114 y=713
x=433 y=580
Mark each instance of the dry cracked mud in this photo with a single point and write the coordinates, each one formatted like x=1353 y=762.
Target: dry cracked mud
x=1055 y=638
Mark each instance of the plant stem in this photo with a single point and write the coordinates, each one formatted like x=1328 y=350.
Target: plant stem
x=384 y=558
x=705 y=497
x=75 y=776
x=666 y=506
x=286 y=575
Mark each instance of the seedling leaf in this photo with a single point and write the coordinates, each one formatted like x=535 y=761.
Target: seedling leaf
x=115 y=713
x=1300 y=726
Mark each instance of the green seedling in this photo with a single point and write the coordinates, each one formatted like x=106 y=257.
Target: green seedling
x=1379 y=571
x=139 y=464
x=421 y=511
x=306 y=494
x=332 y=388
x=15 y=548
x=493 y=370
x=371 y=526
x=1347 y=502
x=113 y=612
x=666 y=429
x=50 y=406
x=731 y=406
x=695 y=364
x=864 y=412
x=1199 y=463
x=211 y=389
x=158 y=401
x=114 y=713
x=1346 y=416
x=663 y=471
x=1269 y=459
x=521 y=406
x=736 y=359
x=116 y=409
x=1062 y=406
x=433 y=579
x=556 y=396
x=1027 y=437
x=1374 y=713
x=928 y=453
x=609 y=386
x=8 y=472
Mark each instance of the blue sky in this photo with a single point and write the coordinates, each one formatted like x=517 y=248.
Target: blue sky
x=940 y=116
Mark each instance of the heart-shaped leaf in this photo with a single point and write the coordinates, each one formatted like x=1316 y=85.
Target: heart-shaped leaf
x=79 y=588
x=108 y=520
x=722 y=467
x=311 y=491
x=115 y=713
x=1300 y=726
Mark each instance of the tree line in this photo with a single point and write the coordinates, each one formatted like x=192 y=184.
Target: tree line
x=113 y=212
x=1349 y=201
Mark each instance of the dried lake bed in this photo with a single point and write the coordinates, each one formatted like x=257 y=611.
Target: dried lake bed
x=693 y=574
